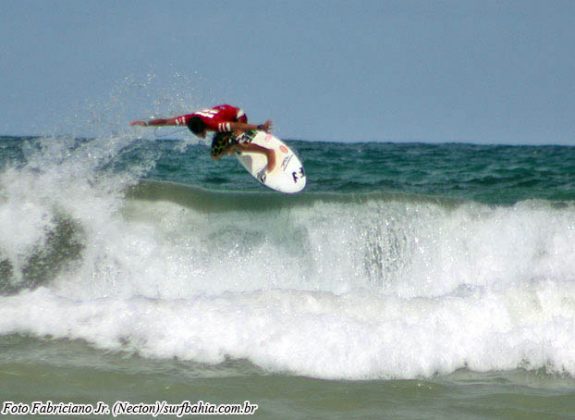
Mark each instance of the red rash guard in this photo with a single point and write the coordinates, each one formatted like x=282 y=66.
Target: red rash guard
x=217 y=118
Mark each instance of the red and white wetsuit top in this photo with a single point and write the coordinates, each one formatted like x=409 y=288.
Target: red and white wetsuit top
x=217 y=118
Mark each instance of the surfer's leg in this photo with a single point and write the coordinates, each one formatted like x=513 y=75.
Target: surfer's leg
x=270 y=153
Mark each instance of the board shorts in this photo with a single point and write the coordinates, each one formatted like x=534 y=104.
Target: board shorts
x=221 y=141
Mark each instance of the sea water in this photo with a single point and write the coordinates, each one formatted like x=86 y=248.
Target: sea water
x=406 y=281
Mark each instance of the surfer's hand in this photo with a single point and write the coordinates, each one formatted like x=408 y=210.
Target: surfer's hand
x=267 y=126
x=139 y=123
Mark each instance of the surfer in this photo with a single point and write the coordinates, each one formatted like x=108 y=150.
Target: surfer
x=229 y=123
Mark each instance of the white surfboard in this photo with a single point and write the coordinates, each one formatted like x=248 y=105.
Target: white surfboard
x=288 y=176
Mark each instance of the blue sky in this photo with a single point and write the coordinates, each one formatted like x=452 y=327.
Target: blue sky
x=479 y=71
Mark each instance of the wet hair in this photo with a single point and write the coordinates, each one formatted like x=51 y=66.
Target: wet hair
x=196 y=125
x=220 y=142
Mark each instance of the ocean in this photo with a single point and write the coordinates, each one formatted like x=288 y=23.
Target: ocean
x=407 y=281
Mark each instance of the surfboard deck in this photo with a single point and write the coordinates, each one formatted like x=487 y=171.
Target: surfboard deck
x=287 y=177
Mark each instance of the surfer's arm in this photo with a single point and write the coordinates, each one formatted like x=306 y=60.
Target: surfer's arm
x=240 y=126
x=161 y=121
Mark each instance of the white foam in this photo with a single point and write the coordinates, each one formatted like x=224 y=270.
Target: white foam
x=354 y=335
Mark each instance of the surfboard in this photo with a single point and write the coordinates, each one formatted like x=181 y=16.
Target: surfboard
x=287 y=177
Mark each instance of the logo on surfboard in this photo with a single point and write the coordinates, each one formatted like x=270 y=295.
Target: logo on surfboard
x=297 y=175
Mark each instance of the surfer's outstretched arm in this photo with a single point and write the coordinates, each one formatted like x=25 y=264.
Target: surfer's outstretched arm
x=157 y=122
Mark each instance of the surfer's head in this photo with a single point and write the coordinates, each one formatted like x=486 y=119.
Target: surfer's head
x=197 y=126
x=220 y=143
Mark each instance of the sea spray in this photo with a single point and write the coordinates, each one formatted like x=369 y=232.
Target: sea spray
x=53 y=204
